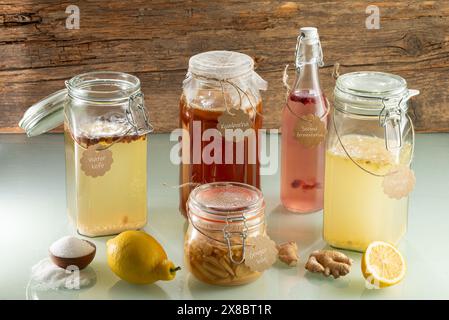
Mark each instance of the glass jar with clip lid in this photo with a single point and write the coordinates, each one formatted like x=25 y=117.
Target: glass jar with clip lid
x=369 y=152
x=105 y=127
x=223 y=218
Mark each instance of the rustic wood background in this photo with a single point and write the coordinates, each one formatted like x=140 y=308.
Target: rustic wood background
x=154 y=39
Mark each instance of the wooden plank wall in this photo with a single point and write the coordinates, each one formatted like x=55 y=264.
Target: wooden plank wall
x=154 y=40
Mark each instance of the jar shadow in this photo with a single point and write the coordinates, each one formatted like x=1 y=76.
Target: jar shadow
x=304 y=229
x=124 y=290
x=203 y=291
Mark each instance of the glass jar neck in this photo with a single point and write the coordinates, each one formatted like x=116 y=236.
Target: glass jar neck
x=235 y=220
x=103 y=87
x=307 y=78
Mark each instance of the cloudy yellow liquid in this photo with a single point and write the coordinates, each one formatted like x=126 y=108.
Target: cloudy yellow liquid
x=114 y=202
x=356 y=210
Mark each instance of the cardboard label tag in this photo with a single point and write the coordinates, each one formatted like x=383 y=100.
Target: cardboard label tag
x=310 y=131
x=399 y=182
x=236 y=120
x=260 y=253
x=96 y=163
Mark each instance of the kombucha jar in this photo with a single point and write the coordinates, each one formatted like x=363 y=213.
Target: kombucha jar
x=221 y=92
x=370 y=135
x=222 y=216
x=105 y=131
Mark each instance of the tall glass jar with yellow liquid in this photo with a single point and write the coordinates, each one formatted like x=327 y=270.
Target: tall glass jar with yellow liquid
x=105 y=129
x=370 y=135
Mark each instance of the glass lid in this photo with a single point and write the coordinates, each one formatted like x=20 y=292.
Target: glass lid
x=95 y=87
x=225 y=199
x=45 y=115
x=368 y=92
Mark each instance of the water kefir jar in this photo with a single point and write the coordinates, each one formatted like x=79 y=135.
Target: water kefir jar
x=216 y=211
x=219 y=82
x=106 y=153
x=370 y=132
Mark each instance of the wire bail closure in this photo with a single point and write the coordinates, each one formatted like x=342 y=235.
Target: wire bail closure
x=298 y=43
x=390 y=120
x=319 y=60
x=137 y=101
x=243 y=235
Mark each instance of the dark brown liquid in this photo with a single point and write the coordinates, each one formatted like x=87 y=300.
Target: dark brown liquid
x=205 y=173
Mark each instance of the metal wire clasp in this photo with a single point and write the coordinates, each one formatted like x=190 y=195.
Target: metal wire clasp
x=317 y=59
x=298 y=43
x=390 y=120
x=243 y=235
x=136 y=107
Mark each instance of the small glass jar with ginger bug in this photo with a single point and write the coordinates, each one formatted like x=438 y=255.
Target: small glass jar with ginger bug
x=222 y=216
x=221 y=90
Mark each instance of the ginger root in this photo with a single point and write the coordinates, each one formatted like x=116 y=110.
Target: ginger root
x=329 y=262
x=288 y=253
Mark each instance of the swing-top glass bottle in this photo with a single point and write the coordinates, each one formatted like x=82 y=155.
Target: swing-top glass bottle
x=304 y=122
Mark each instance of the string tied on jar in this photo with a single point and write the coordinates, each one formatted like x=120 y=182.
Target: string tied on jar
x=223 y=69
x=233 y=83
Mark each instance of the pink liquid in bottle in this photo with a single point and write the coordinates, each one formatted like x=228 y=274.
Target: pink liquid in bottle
x=302 y=168
x=303 y=143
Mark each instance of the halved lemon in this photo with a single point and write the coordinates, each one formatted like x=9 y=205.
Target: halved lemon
x=383 y=265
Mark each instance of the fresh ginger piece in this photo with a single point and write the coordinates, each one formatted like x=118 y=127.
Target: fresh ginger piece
x=288 y=253
x=329 y=262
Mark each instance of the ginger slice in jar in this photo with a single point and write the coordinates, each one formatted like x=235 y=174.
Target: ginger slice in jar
x=213 y=261
x=226 y=266
x=202 y=273
x=219 y=273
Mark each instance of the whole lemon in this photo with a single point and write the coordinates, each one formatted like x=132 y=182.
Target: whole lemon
x=137 y=257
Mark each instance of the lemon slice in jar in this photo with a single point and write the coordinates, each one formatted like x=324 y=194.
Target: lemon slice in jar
x=383 y=265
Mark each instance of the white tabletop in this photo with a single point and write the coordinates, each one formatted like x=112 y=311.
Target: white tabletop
x=33 y=215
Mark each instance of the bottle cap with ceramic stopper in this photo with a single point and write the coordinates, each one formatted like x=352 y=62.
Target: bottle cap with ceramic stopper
x=309 y=35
